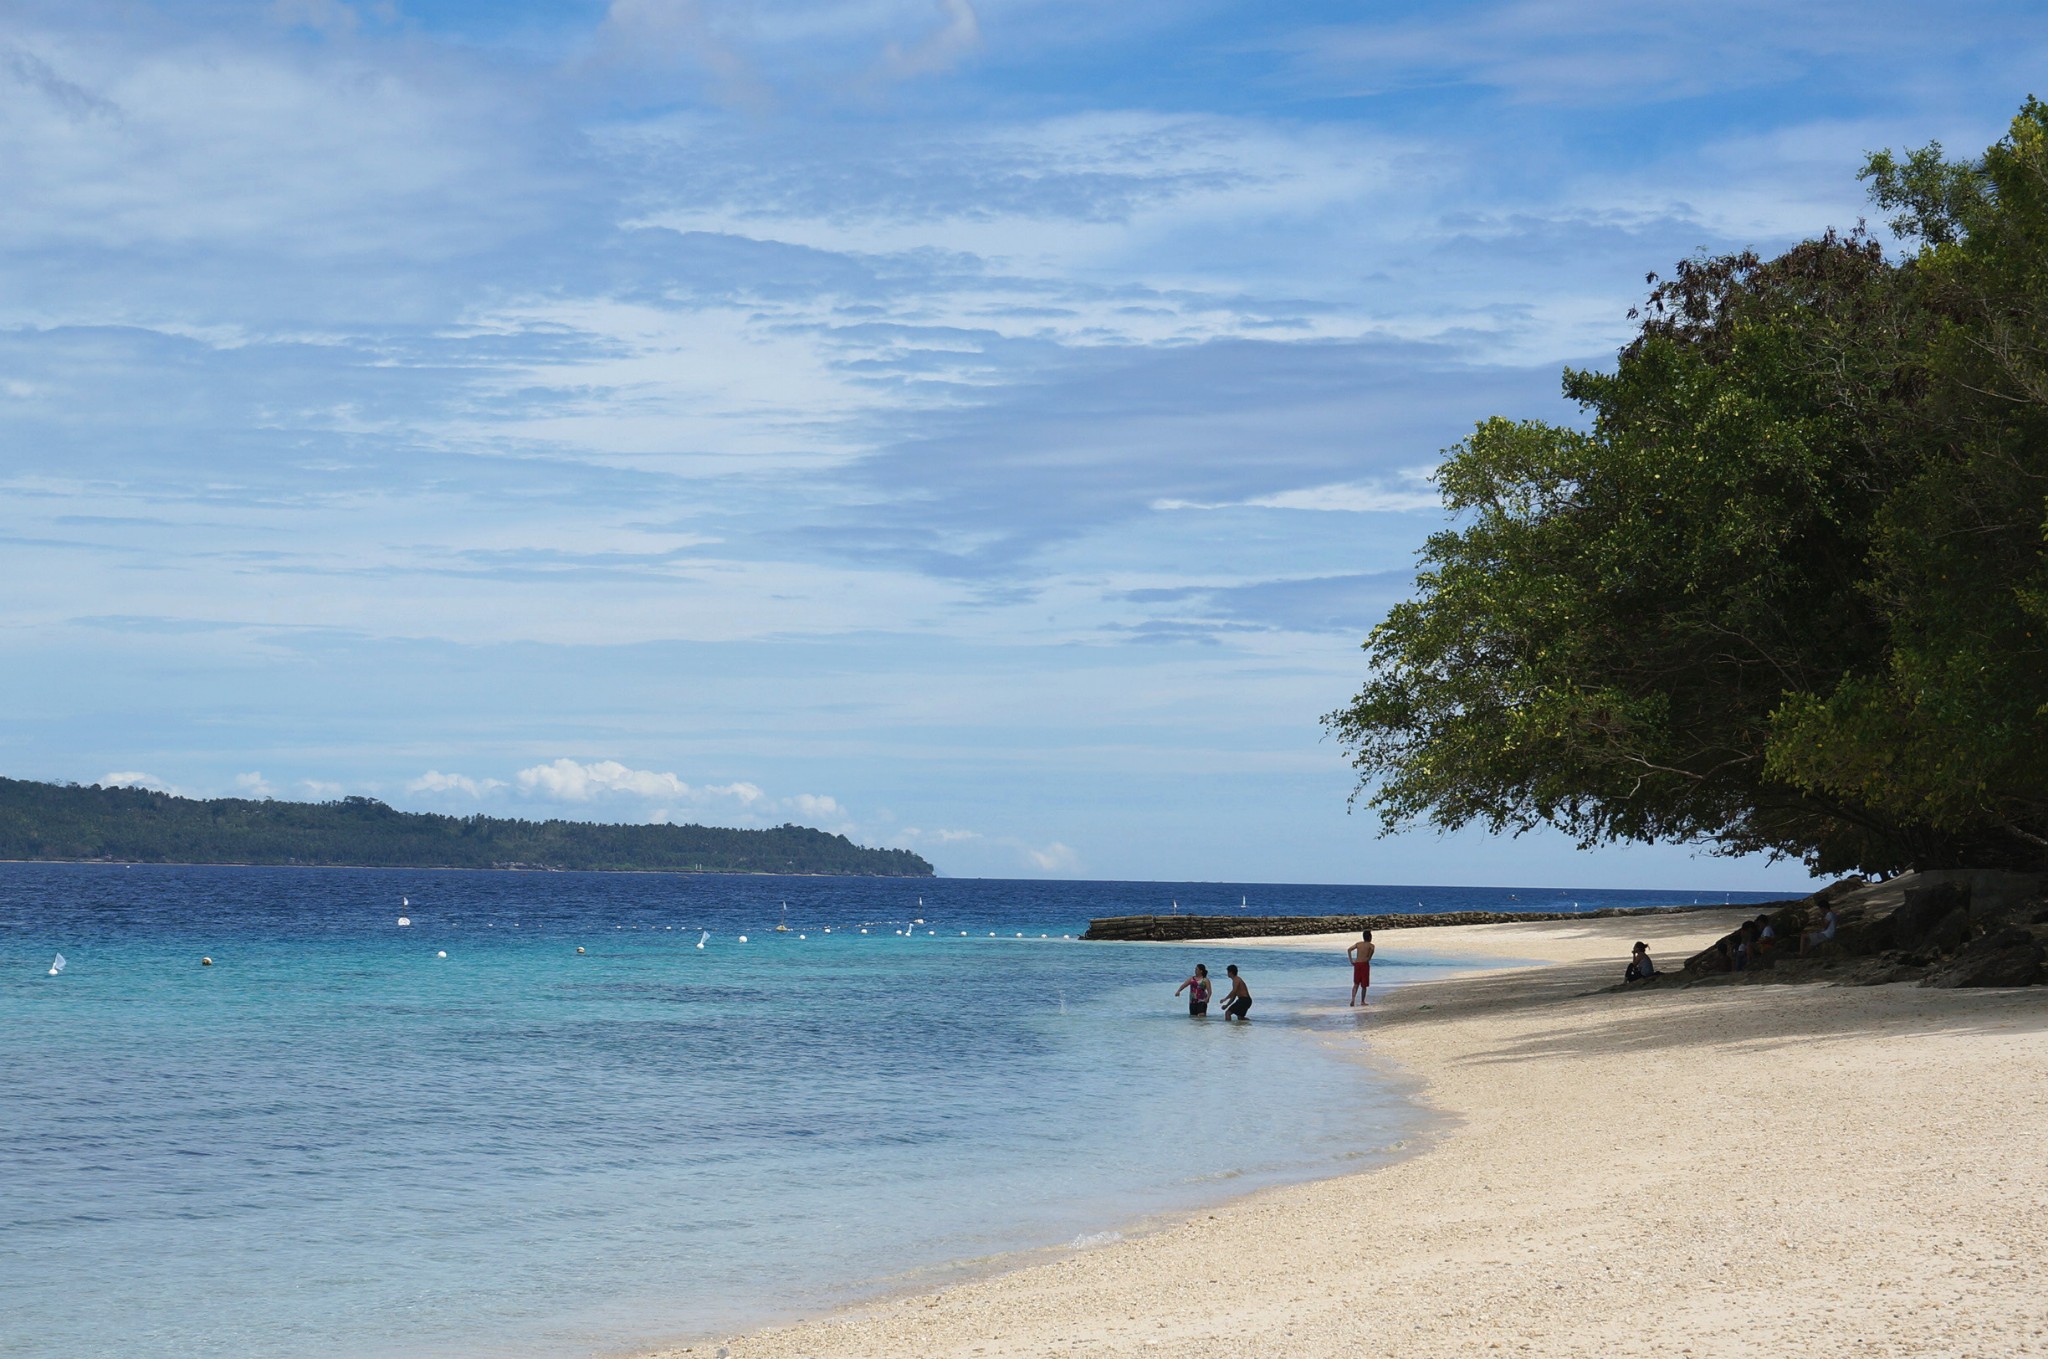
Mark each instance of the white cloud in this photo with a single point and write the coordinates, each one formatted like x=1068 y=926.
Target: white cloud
x=815 y=806
x=1054 y=858
x=253 y=784
x=912 y=835
x=434 y=781
x=134 y=778
x=572 y=781
x=321 y=789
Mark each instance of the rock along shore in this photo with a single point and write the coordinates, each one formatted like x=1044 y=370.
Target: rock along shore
x=1165 y=928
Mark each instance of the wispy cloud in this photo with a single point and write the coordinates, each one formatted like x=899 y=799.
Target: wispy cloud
x=958 y=35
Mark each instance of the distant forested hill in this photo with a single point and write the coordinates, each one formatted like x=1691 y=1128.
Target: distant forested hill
x=65 y=821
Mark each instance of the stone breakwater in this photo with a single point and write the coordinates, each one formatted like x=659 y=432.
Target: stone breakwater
x=1165 y=928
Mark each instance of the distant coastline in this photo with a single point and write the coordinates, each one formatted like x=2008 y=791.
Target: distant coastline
x=67 y=823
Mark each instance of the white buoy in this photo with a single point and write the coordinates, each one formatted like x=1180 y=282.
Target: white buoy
x=863 y=931
x=405 y=901
x=579 y=948
x=963 y=934
x=57 y=965
x=828 y=929
x=404 y=920
x=442 y=954
x=803 y=936
x=743 y=939
x=206 y=962
x=702 y=937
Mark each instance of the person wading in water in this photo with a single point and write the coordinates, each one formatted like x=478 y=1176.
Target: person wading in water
x=1238 y=1003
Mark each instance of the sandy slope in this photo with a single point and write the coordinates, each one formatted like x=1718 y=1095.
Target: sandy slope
x=1767 y=1171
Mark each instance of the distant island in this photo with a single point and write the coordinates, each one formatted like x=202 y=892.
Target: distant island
x=51 y=821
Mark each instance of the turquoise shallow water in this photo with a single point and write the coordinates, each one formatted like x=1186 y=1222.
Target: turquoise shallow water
x=335 y=1142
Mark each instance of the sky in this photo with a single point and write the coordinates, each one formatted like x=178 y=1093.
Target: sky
x=988 y=427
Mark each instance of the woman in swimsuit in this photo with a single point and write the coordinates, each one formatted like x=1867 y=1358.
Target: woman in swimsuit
x=1197 y=988
x=1238 y=1003
x=1360 y=954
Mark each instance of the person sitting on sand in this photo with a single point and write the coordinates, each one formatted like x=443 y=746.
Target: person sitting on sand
x=1238 y=1004
x=1813 y=939
x=1360 y=954
x=1765 y=935
x=1197 y=988
x=1640 y=968
x=1745 y=945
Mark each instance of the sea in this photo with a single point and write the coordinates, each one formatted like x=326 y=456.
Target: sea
x=583 y=1114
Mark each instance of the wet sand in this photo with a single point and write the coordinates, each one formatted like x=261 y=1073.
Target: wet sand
x=1796 y=1170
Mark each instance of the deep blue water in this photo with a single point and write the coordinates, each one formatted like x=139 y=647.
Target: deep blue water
x=335 y=1142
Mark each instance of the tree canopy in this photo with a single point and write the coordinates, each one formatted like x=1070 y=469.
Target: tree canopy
x=1786 y=589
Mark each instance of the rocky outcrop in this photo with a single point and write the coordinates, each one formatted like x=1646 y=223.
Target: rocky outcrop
x=1949 y=927
x=2010 y=957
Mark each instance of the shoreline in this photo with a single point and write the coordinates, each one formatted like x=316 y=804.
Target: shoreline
x=1795 y=1170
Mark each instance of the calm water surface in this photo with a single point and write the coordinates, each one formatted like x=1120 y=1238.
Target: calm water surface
x=336 y=1143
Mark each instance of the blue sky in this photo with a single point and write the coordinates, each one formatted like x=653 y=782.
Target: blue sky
x=983 y=426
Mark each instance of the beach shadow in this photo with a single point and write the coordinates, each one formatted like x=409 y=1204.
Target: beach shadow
x=1760 y=1019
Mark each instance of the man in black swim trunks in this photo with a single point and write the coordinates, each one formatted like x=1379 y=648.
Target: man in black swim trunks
x=1238 y=1004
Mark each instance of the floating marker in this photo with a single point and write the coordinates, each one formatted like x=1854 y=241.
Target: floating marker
x=863 y=931
x=803 y=936
x=743 y=939
x=579 y=948
x=206 y=962
x=828 y=929
x=442 y=954
x=701 y=938
x=57 y=965
x=405 y=901
x=963 y=934
x=404 y=920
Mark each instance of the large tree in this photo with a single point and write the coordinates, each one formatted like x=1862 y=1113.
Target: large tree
x=1786 y=589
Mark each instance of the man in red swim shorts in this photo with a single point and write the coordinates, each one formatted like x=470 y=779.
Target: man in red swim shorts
x=1360 y=954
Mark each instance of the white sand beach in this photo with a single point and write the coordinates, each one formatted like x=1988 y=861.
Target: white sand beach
x=1770 y=1171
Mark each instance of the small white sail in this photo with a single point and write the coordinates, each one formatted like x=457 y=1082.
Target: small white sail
x=57 y=965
